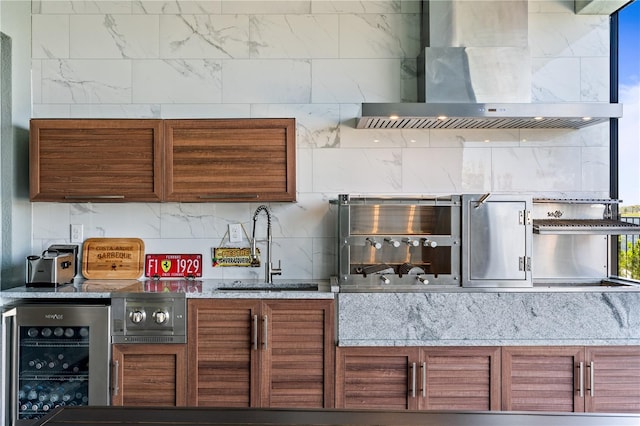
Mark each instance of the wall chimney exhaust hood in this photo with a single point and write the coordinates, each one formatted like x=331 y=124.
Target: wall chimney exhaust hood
x=475 y=72
x=485 y=115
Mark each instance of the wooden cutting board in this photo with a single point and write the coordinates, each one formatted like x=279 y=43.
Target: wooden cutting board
x=113 y=258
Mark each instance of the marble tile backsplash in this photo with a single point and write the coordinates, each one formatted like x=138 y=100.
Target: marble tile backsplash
x=316 y=61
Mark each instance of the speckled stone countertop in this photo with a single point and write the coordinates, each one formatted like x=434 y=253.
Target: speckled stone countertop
x=211 y=289
x=494 y=318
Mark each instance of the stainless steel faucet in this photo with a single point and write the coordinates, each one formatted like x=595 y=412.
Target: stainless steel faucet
x=269 y=270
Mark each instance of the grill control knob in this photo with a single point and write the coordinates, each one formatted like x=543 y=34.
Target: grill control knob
x=160 y=317
x=429 y=243
x=137 y=317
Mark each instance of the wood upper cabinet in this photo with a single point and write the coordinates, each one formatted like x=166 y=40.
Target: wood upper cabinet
x=119 y=160
x=98 y=160
x=149 y=375
x=573 y=379
x=451 y=378
x=254 y=353
x=230 y=160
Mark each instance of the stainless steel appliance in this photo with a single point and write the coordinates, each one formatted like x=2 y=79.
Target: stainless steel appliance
x=57 y=265
x=58 y=355
x=149 y=317
x=572 y=239
x=497 y=235
x=394 y=243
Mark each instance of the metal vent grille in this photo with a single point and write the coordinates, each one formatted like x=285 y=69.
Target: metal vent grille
x=151 y=339
x=475 y=123
x=584 y=226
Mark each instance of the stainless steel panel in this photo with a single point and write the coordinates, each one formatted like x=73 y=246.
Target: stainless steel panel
x=497 y=241
x=570 y=258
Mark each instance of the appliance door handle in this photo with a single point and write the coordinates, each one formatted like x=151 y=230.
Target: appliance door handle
x=88 y=197
x=255 y=332
x=116 y=372
x=265 y=336
x=581 y=379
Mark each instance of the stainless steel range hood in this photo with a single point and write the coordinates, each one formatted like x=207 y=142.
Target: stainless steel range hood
x=485 y=115
x=475 y=72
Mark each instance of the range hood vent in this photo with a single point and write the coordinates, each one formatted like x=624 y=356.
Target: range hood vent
x=485 y=115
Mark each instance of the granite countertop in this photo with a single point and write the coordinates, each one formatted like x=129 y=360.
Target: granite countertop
x=211 y=289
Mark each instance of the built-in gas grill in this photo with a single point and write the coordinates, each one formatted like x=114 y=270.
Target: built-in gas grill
x=579 y=216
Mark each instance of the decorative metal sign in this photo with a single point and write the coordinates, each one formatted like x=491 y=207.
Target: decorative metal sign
x=231 y=256
x=173 y=265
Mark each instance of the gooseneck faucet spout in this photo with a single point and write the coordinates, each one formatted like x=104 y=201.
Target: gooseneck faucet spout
x=269 y=270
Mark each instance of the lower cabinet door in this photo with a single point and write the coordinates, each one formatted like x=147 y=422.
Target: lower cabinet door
x=612 y=377
x=460 y=378
x=149 y=375
x=543 y=378
x=377 y=378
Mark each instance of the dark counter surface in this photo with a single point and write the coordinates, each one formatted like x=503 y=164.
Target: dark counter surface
x=124 y=416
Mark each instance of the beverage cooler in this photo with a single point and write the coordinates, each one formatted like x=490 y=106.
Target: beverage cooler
x=55 y=355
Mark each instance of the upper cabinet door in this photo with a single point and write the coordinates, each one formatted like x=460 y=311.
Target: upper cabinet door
x=230 y=160
x=98 y=160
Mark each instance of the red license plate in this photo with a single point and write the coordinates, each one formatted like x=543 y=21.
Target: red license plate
x=173 y=265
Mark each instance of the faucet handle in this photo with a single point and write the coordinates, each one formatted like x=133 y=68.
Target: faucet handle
x=276 y=271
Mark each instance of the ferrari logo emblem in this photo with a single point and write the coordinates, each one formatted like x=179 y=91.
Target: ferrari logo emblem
x=166 y=265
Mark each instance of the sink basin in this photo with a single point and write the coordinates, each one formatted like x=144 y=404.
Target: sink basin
x=300 y=287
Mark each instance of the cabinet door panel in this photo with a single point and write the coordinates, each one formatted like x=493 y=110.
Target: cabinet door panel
x=614 y=383
x=460 y=378
x=297 y=365
x=378 y=378
x=230 y=160
x=223 y=353
x=79 y=160
x=149 y=375
x=542 y=379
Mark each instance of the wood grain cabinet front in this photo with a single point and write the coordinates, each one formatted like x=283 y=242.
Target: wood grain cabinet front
x=146 y=160
x=97 y=160
x=255 y=353
x=230 y=160
x=442 y=378
x=572 y=379
x=149 y=375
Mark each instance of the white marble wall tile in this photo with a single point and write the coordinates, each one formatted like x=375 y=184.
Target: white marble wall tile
x=594 y=79
x=113 y=36
x=192 y=81
x=114 y=111
x=597 y=135
x=446 y=170
x=536 y=169
x=266 y=81
x=86 y=81
x=358 y=6
x=202 y=220
x=595 y=168
x=304 y=170
x=36 y=81
x=357 y=170
x=316 y=124
x=51 y=111
x=355 y=80
x=136 y=220
x=324 y=258
x=175 y=7
x=379 y=36
x=449 y=138
x=295 y=256
x=205 y=111
x=50 y=220
x=294 y=36
x=409 y=80
x=50 y=36
x=262 y=7
x=308 y=217
x=380 y=138
x=81 y=6
x=204 y=36
x=556 y=80
x=553 y=35
x=552 y=6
